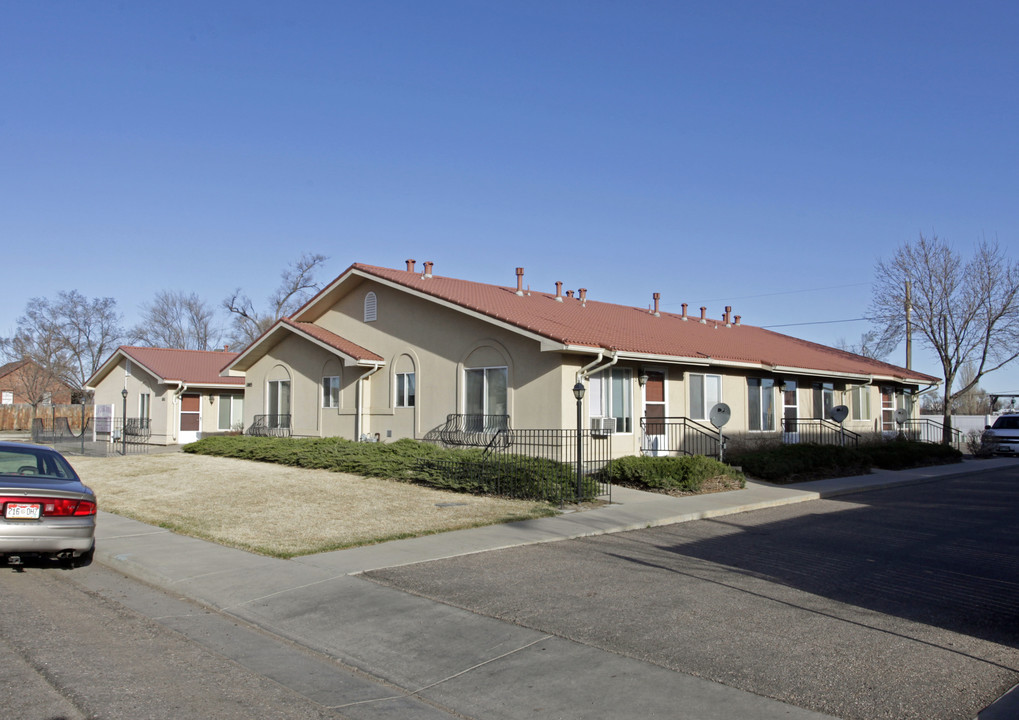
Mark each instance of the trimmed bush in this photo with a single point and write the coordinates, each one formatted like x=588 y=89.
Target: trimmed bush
x=686 y=473
x=802 y=461
x=903 y=454
x=468 y=471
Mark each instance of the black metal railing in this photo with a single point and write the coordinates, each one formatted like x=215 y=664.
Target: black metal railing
x=928 y=430
x=270 y=426
x=678 y=436
x=103 y=436
x=469 y=430
x=521 y=463
x=819 y=431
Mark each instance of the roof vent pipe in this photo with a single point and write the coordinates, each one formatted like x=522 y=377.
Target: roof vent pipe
x=728 y=314
x=684 y=311
x=428 y=268
x=569 y=293
x=410 y=265
x=737 y=319
x=704 y=315
x=559 y=290
x=583 y=294
x=656 y=297
x=520 y=281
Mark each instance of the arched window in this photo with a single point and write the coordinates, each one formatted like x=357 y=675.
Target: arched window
x=371 y=307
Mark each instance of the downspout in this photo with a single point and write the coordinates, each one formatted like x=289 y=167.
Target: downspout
x=360 y=399
x=590 y=369
x=175 y=420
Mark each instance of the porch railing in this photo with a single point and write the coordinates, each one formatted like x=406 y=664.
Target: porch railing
x=820 y=431
x=678 y=436
x=270 y=426
x=929 y=430
x=469 y=430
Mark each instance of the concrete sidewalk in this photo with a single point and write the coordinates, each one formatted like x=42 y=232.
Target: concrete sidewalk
x=438 y=656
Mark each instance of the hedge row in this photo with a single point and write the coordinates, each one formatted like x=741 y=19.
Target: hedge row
x=793 y=463
x=686 y=473
x=467 y=471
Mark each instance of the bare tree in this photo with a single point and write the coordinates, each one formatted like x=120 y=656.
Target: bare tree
x=872 y=344
x=177 y=320
x=69 y=337
x=973 y=401
x=965 y=312
x=297 y=284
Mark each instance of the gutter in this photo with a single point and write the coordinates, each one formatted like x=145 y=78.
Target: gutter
x=360 y=399
x=175 y=421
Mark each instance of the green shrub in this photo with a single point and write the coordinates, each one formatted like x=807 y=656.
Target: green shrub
x=802 y=461
x=903 y=454
x=686 y=473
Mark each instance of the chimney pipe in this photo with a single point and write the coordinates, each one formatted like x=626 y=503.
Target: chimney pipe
x=704 y=315
x=737 y=318
x=684 y=311
x=410 y=265
x=728 y=312
x=520 y=281
x=656 y=297
x=583 y=294
x=569 y=293
x=559 y=290
x=428 y=268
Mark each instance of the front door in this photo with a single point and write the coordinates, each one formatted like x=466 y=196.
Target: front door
x=653 y=442
x=790 y=413
x=190 y=418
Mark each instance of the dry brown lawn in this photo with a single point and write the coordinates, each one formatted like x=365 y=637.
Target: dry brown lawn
x=282 y=511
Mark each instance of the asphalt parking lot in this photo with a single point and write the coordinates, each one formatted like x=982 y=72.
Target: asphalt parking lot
x=899 y=603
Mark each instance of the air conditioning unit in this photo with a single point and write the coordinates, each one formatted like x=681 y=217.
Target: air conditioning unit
x=603 y=425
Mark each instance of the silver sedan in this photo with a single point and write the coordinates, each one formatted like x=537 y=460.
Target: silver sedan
x=45 y=509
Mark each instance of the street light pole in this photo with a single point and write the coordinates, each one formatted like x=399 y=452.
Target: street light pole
x=123 y=429
x=578 y=392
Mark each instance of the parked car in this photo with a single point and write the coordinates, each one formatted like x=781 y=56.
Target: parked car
x=1003 y=436
x=45 y=509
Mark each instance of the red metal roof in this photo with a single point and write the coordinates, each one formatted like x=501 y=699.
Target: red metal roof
x=196 y=367
x=573 y=322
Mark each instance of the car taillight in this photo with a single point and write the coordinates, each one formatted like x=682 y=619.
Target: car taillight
x=58 y=507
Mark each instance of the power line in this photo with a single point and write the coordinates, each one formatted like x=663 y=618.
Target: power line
x=818 y=322
x=787 y=292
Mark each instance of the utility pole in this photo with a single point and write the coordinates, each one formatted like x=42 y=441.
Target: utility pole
x=909 y=325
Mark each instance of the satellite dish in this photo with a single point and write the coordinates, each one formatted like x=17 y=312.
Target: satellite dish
x=901 y=415
x=838 y=413
x=720 y=415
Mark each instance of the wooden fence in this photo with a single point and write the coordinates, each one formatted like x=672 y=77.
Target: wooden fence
x=19 y=416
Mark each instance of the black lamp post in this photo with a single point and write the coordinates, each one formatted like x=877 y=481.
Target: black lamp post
x=123 y=430
x=578 y=392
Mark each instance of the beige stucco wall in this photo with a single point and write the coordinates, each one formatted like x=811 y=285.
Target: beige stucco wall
x=437 y=343
x=164 y=407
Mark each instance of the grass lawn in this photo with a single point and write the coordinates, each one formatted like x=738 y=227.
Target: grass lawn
x=283 y=511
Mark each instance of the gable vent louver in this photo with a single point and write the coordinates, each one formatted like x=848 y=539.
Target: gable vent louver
x=371 y=307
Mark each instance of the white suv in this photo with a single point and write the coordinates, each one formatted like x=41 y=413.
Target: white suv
x=1003 y=436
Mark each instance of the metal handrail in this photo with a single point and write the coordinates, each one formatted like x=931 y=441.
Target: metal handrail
x=678 y=436
x=270 y=426
x=822 y=431
x=471 y=430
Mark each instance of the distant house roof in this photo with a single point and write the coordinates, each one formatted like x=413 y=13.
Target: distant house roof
x=192 y=367
x=572 y=324
x=7 y=368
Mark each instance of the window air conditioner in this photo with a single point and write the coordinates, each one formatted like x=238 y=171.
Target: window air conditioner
x=603 y=425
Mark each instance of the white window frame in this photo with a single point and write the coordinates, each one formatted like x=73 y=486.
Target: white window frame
x=700 y=379
x=610 y=394
x=764 y=418
x=861 y=402
x=144 y=405
x=406 y=389
x=235 y=403
x=485 y=375
x=330 y=392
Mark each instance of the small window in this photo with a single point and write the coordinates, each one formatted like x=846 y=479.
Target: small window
x=861 y=402
x=705 y=393
x=761 y=401
x=405 y=390
x=331 y=391
x=231 y=412
x=371 y=307
x=144 y=404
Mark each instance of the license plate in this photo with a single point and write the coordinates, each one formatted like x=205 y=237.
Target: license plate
x=22 y=511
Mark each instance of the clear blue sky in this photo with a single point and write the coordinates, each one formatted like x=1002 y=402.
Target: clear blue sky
x=759 y=154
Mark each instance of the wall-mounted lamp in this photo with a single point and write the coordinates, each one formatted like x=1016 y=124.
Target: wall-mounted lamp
x=642 y=377
x=212 y=399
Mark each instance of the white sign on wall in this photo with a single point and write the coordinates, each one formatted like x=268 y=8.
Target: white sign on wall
x=103 y=418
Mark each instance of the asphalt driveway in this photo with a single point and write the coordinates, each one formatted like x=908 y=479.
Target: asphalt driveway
x=897 y=604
